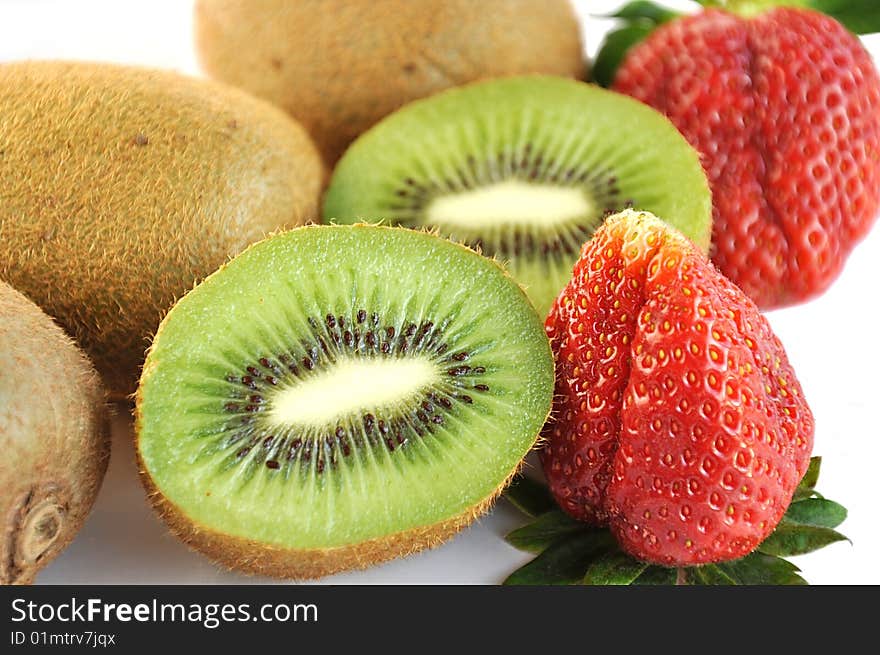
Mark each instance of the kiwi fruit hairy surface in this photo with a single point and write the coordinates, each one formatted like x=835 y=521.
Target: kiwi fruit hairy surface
x=337 y=396
x=54 y=435
x=338 y=66
x=120 y=187
x=523 y=168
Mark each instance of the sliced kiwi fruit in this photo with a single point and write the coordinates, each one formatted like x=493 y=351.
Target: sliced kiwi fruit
x=524 y=168
x=54 y=432
x=337 y=396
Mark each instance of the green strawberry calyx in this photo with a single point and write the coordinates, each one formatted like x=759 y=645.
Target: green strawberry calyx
x=636 y=20
x=639 y=18
x=571 y=552
x=749 y=8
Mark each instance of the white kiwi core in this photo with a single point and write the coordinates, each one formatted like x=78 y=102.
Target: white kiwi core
x=352 y=387
x=512 y=202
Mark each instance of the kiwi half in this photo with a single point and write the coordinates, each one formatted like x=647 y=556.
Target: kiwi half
x=337 y=396
x=523 y=168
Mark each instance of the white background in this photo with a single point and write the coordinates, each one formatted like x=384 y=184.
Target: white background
x=832 y=343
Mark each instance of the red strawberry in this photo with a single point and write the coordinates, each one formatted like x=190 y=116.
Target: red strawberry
x=678 y=421
x=785 y=109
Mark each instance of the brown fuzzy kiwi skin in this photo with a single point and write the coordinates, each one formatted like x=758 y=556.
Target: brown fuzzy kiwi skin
x=54 y=435
x=121 y=186
x=339 y=66
x=259 y=558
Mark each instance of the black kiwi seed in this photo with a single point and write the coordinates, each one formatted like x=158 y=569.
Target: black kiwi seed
x=314 y=354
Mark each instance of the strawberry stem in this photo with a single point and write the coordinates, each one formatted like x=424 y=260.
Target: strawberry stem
x=681 y=576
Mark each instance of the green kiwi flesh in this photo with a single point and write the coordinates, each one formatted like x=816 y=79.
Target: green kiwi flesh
x=339 y=395
x=523 y=168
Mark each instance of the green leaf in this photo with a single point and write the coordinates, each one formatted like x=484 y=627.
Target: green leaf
x=859 y=16
x=807 y=486
x=709 y=574
x=572 y=552
x=529 y=496
x=762 y=569
x=794 y=539
x=614 y=568
x=818 y=512
x=617 y=43
x=754 y=569
x=639 y=18
x=538 y=535
x=644 y=10
x=657 y=575
x=565 y=562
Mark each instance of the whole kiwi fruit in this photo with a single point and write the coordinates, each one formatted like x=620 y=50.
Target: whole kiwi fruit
x=339 y=66
x=120 y=187
x=336 y=396
x=54 y=434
